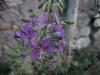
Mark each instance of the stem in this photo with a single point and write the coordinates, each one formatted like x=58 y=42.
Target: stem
x=45 y=29
x=19 y=42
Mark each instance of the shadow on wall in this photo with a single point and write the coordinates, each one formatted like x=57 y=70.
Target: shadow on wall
x=3 y=5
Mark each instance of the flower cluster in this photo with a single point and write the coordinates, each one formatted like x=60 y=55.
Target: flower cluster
x=42 y=35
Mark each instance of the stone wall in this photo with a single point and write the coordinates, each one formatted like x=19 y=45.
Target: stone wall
x=17 y=9
x=88 y=25
x=11 y=12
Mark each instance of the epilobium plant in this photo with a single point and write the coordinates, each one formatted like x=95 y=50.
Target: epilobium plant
x=40 y=45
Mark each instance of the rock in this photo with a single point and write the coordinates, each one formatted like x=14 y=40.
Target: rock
x=97 y=22
x=97 y=39
x=29 y=4
x=10 y=16
x=2 y=5
x=82 y=42
x=83 y=19
x=97 y=15
x=92 y=13
x=97 y=3
x=84 y=5
x=99 y=10
x=13 y=2
x=84 y=31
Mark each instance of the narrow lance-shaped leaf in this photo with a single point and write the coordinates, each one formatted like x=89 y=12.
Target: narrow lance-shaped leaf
x=56 y=18
x=61 y=3
x=44 y=7
x=69 y=22
x=60 y=9
x=42 y=4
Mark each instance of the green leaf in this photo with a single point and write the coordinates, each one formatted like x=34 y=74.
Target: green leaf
x=60 y=9
x=44 y=7
x=42 y=4
x=61 y=4
x=24 y=20
x=69 y=22
x=33 y=14
x=23 y=67
x=56 y=18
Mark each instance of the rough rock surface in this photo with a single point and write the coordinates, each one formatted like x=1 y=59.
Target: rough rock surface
x=17 y=10
x=97 y=39
x=88 y=24
x=97 y=22
x=13 y=2
x=82 y=43
x=83 y=19
x=84 y=31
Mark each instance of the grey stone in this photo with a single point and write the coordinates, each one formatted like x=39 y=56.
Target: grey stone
x=83 y=19
x=10 y=16
x=97 y=15
x=84 y=5
x=13 y=2
x=16 y=13
x=27 y=5
x=97 y=3
x=92 y=13
x=97 y=22
x=82 y=42
x=84 y=31
x=97 y=39
x=99 y=9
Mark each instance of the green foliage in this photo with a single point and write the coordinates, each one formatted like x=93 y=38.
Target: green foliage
x=82 y=60
x=49 y=5
x=22 y=67
x=19 y=65
x=4 y=68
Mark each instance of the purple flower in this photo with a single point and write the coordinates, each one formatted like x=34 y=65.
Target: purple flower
x=35 y=46
x=57 y=30
x=36 y=19
x=19 y=34
x=27 y=25
x=50 y=50
x=59 y=33
x=45 y=43
x=41 y=24
x=58 y=27
x=35 y=53
x=46 y=47
x=27 y=28
x=31 y=34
